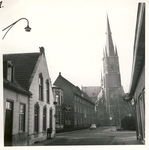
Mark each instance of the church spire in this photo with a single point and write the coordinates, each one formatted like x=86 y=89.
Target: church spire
x=103 y=53
x=116 y=51
x=109 y=41
x=101 y=80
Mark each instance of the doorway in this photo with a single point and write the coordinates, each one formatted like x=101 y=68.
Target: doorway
x=51 y=118
x=8 y=124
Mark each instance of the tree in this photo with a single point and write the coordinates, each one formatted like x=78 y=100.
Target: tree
x=128 y=123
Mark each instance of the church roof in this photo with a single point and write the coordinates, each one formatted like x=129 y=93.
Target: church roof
x=92 y=91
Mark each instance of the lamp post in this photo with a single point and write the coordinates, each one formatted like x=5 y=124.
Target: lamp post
x=27 y=28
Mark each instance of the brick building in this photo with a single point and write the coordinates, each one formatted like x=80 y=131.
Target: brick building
x=77 y=108
x=31 y=73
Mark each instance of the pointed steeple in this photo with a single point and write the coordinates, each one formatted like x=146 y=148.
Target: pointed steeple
x=116 y=51
x=103 y=53
x=109 y=41
x=101 y=80
x=106 y=52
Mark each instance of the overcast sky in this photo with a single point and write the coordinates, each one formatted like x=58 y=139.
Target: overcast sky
x=73 y=35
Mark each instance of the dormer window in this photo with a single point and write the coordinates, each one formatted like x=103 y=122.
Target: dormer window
x=8 y=70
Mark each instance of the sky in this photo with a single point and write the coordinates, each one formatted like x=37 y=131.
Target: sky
x=73 y=35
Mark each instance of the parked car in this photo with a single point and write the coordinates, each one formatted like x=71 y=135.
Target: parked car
x=93 y=126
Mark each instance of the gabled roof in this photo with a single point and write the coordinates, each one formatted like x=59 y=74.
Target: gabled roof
x=61 y=81
x=24 y=65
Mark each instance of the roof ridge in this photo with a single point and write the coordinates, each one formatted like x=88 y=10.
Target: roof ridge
x=68 y=81
x=22 y=53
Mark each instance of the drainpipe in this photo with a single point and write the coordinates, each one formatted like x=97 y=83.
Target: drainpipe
x=28 y=122
x=30 y=96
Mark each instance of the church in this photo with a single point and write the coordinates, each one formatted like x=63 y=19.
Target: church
x=109 y=105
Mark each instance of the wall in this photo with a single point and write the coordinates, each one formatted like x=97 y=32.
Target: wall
x=18 y=138
x=139 y=97
x=41 y=67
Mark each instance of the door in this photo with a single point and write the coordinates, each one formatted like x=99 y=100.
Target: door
x=50 y=118
x=8 y=124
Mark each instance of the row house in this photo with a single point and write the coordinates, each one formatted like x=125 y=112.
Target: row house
x=15 y=116
x=77 y=108
x=32 y=111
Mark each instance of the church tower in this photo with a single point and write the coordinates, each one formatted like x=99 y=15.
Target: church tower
x=111 y=78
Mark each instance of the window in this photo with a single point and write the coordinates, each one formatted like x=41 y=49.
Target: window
x=58 y=100
x=75 y=109
x=65 y=107
x=117 y=65
x=47 y=90
x=36 y=117
x=101 y=116
x=69 y=108
x=78 y=109
x=44 y=118
x=22 y=118
x=9 y=105
x=75 y=121
x=10 y=71
x=40 y=87
x=66 y=121
x=75 y=98
x=62 y=99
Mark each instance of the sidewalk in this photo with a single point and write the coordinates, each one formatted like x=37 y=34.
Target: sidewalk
x=122 y=139
x=45 y=142
x=126 y=141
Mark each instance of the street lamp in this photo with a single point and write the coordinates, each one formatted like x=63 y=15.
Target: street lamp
x=27 y=28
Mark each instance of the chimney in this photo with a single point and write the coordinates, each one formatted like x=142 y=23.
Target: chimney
x=59 y=73
x=41 y=50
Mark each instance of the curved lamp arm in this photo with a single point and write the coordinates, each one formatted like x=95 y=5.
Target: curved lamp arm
x=27 y=28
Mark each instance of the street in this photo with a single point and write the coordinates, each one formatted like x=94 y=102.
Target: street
x=100 y=136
